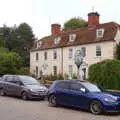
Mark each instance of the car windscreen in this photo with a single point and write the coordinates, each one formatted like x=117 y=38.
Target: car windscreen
x=28 y=80
x=91 y=87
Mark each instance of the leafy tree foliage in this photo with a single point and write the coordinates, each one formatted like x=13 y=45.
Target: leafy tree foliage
x=18 y=39
x=10 y=63
x=3 y=50
x=74 y=23
x=106 y=74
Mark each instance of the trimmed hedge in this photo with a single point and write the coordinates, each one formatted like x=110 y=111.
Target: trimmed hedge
x=106 y=74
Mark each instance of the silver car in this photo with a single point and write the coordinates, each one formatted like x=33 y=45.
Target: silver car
x=24 y=86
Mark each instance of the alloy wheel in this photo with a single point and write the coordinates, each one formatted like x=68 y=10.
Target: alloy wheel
x=2 y=93
x=24 y=96
x=96 y=107
x=52 y=101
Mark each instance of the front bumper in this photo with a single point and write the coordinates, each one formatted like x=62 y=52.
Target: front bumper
x=112 y=108
x=39 y=95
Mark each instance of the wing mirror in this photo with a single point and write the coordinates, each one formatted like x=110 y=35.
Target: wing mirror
x=83 y=90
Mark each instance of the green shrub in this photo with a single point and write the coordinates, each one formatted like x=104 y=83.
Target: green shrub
x=24 y=71
x=106 y=74
x=74 y=76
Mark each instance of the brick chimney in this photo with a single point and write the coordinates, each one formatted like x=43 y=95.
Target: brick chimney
x=55 y=29
x=93 y=18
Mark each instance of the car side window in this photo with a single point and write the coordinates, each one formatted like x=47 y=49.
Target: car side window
x=63 y=85
x=77 y=87
x=16 y=80
x=8 y=78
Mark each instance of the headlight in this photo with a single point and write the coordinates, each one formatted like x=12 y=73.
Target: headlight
x=32 y=90
x=111 y=100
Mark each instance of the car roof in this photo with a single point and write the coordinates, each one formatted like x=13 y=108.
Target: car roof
x=73 y=80
x=16 y=75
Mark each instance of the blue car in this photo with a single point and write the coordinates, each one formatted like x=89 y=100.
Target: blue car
x=84 y=95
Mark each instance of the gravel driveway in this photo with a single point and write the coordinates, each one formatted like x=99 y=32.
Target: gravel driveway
x=17 y=109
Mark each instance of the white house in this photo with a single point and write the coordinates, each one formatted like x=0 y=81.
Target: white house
x=54 y=54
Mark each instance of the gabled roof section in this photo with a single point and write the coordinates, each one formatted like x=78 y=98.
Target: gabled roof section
x=84 y=35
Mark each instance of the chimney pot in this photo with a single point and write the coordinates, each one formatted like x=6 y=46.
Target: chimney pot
x=55 y=29
x=93 y=18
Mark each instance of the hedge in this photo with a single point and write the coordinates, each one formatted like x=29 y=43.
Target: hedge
x=106 y=74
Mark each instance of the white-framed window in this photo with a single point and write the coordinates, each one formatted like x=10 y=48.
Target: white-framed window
x=84 y=51
x=70 y=70
x=36 y=70
x=57 y=40
x=39 y=44
x=70 y=53
x=55 y=70
x=37 y=56
x=100 y=33
x=98 y=50
x=72 y=37
x=55 y=54
x=45 y=55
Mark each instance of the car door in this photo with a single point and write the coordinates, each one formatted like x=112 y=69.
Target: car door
x=62 y=92
x=16 y=86
x=8 y=84
x=78 y=95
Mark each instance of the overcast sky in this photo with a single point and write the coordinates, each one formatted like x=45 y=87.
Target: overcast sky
x=40 y=14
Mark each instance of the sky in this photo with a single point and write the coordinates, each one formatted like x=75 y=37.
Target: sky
x=40 y=14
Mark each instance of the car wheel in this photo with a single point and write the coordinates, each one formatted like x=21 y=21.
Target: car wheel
x=24 y=96
x=52 y=100
x=96 y=107
x=2 y=93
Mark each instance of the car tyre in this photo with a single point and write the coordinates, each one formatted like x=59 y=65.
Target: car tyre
x=52 y=100
x=2 y=92
x=24 y=96
x=96 y=107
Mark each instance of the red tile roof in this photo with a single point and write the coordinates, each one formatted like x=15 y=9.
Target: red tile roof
x=84 y=35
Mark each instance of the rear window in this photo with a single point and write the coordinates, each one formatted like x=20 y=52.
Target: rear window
x=63 y=85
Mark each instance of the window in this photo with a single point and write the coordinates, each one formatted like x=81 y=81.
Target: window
x=63 y=85
x=36 y=70
x=45 y=55
x=72 y=37
x=70 y=53
x=76 y=86
x=98 y=50
x=84 y=75
x=39 y=44
x=70 y=70
x=84 y=51
x=8 y=78
x=100 y=33
x=55 y=70
x=37 y=56
x=57 y=40
x=54 y=54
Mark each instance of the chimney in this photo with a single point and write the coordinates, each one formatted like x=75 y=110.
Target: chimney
x=93 y=18
x=55 y=29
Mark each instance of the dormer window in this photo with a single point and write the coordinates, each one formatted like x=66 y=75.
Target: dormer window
x=39 y=43
x=100 y=33
x=57 y=40
x=72 y=37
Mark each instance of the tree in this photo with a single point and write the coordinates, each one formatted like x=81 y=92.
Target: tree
x=10 y=63
x=74 y=23
x=26 y=38
x=18 y=39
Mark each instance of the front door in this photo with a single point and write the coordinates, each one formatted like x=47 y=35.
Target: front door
x=78 y=95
